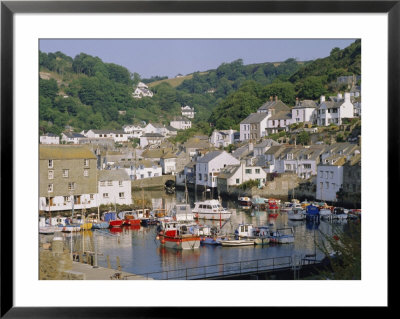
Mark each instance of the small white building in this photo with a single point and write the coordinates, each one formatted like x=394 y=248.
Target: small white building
x=49 y=138
x=117 y=135
x=209 y=166
x=71 y=138
x=222 y=138
x=142 y=90
x=168 y=163
x=279 y=121
x=234 y=175
x=133 y=131
x=304 y=111
x=114 y=187
x=142 y=169
x=181 y=123
x=153 y=139
x=155 y=128
x=188 y=111
x=334 y=111
x=329 y=180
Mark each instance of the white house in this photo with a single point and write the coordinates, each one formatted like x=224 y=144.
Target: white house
x=188 y=111
x=71 y=138
x=155 y=128
x=234 y=175
x=222 y=138
x=168 y=163
x=153 y=139
x=304 y=111
x=49 y=138
x=117 y=135
x=181 y=123
x=114 y=187
x=133 y=131
x=253 y=127
x=142 y=90
x=335 y=110
x=279 y=121
x=209 y=166
x=142 y=169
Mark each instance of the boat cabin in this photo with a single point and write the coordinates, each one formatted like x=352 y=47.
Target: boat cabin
x=183 y=212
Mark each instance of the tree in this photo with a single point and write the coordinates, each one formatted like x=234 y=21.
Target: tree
x=304 y=138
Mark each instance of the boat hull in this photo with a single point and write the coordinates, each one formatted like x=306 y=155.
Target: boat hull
x=116 y=223
x=69 y=229
x=131 y=222
x=184 y=242
x=237 y=243
x=284 y=239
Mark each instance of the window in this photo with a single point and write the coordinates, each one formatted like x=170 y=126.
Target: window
x=327 y=185
x=109 y=183
x=237 y=181
x=120 y=183
x=248 y=171
x=50 y=164
x=86 y=162
x=199 y=177
x=86 y=172
x=331 y=174
x=71 y=186
x=307 y=166
x=50 y=175
x=91 y=196
x=257 y=171
x=66 y=199
x=122 y=195
x=148 y=174
x=288 y=167
x=105 y=195
x=50 y=188
x=65 y=172
x=103 y=183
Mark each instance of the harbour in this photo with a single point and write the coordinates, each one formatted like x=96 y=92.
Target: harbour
x=133 y=252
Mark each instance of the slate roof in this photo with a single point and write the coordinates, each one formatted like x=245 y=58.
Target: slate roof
x=306 y=104
x=228 y=171
x=274 y=105
x=113 y=175
x=108 y=131
x=65 y=152
x=283 y=115
x=73 y=135
x=152 y=135
x=254 y=118
x=266 y=142
x=209 y=156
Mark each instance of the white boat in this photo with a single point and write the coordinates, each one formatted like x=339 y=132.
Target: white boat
x=210 y=209
x=48 y=230
x=259 y=234
x=282 y=236
x=70 y=228
x=296 y=213
x=237 y=242
x=339 y=213
x=325 y=213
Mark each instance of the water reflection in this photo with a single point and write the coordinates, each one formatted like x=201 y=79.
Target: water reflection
x=139 y=252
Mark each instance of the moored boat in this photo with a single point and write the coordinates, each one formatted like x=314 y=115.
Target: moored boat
x=237 y=242
x=182 y=212
x=259 y=203
x=111 y=218
x=244 y=202
x=130 y=219
x=282 y=236
x=296 y=213
x=177 y=236
x=259 y=234
x=210 y=209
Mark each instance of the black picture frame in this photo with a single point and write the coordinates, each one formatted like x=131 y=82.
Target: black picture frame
x=9 y=8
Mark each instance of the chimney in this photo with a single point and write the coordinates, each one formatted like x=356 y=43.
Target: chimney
x=322 y=98
x=347 y=97
x=297 y=101
x=270 y=98
x=339 y=95
x=276 y=98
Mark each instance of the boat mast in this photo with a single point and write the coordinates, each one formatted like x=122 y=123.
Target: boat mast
x=49 y=209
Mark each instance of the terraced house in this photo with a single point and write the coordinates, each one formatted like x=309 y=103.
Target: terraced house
x=67 y=173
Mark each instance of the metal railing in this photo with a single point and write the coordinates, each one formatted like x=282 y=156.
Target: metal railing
x=223 y=270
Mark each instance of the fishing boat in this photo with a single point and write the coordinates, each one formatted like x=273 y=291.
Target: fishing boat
x=296 y=213
x=287 y=206
x=177 y=236
x=259 y=234
x=325 y=213
x=244 y=202
x=282 y=236
x=354 y=214
x=48 y=229
x=111 y=218
x=130 y=218
x=312 y=213
x=210 y=209
x=273 y=208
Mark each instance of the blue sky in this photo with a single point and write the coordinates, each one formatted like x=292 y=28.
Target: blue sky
x=169 y=57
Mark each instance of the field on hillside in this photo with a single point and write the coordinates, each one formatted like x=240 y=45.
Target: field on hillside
x=174 y=82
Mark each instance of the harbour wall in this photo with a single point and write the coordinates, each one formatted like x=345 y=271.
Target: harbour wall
x=152 y=182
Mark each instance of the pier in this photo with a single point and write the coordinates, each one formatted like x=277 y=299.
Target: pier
x=81 y=271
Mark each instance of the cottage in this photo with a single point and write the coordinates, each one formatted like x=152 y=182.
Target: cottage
x=142 y=90
x=222 y=138
x=142 y=169
x=133 y=131
x=117 y=135
x=188 y=111
x=71 y=138
x=208 y=167
x=151 y=139
x=253 y=127
x=114 y=187
x=49 y=138
x=181 y=123
x=334 y=111
x=304 y=111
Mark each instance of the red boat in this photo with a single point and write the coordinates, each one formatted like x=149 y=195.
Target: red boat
x=131 y=220
x=273 y=209
x=116 y=223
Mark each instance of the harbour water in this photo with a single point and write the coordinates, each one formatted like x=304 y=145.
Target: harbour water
x=136 y=250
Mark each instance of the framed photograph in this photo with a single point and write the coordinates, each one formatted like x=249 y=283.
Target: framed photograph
x=153 y=92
